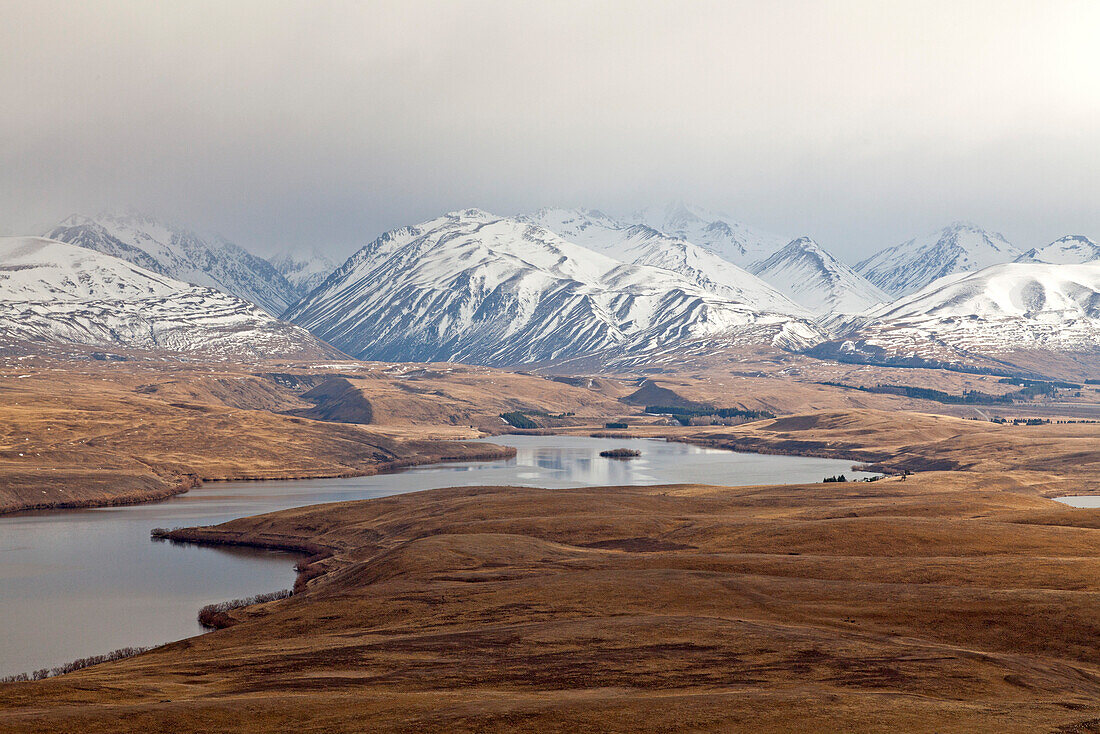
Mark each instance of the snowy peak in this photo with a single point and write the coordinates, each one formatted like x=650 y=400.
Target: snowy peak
x=64 y=294
x=811 y=276
x=470 y=286
x=181 y=254
x=640 y=244
x=958 y=248
x=586 y=227
x=303 y=269
x=726 y=237
x=1068 y=250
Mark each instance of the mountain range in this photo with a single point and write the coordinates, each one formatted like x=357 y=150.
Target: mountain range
x=726 y=237
x=814 y=278
x=473 y=286
x=58 y=293
x=560 y=284
x=642 y=245
x=303 y=269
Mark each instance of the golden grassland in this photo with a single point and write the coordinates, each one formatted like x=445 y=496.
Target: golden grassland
x=953 y=600
x=79 y=433
x=86 y=434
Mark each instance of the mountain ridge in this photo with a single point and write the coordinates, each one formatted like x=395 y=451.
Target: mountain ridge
x=54 y=292
x=1069 y=249
x=473 y=286
x=960 y=247
x=181 y=254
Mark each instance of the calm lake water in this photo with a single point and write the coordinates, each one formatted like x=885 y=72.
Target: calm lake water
x=82 y=582
x=1084 y=501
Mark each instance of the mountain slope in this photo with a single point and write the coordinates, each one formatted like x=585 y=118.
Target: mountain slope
x=180 y=254
x=811 y=276
x=1068 y=250
x=303 y=270
x=997 y=312
x=959 y=248
x=474 y=287
x=59 y=293
x=731 y=240
x=643 y=245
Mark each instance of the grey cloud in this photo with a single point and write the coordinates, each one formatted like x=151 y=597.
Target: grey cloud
x=279 y=123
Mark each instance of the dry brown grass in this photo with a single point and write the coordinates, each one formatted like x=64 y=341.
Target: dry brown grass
x=94 y=434
x=952 y=601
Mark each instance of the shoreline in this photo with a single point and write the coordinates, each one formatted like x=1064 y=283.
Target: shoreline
x=191 y=481
x=869 y=461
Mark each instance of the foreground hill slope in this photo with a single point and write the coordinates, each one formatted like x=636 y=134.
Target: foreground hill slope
x=178 y=253
x=59 y=293
x=948 y=602
x=474 y=287
x=961 y=247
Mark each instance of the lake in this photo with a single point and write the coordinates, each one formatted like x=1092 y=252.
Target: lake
x=75 y=583
x=1083 y=501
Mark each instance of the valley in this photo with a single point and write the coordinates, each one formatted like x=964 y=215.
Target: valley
x=828 y=495
x=549 y=367
x=940 y=601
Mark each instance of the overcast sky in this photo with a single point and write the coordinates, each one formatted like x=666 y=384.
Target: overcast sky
x=325 y=123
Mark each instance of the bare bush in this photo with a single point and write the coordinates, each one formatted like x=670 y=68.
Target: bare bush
x=75 y=665
x=212 y=616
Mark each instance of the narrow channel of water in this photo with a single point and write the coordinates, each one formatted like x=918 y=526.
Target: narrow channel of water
x=83 y=582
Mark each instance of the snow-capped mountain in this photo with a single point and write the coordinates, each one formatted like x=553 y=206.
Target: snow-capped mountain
x=643 y=245
x=471 y=286
x=959 y=248
x=1003 y=309
x=180 y=254
x=731 y=240
x=1068 y=250
x=589 y=228
x=304 y=270
x=812 y=277
x=55 y=292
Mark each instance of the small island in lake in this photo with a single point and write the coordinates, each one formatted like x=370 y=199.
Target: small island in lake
x=620 y=453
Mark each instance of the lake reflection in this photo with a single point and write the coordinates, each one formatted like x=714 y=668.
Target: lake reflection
x=82 y=582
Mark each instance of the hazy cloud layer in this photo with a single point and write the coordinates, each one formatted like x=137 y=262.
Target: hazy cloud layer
x=324 y=123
